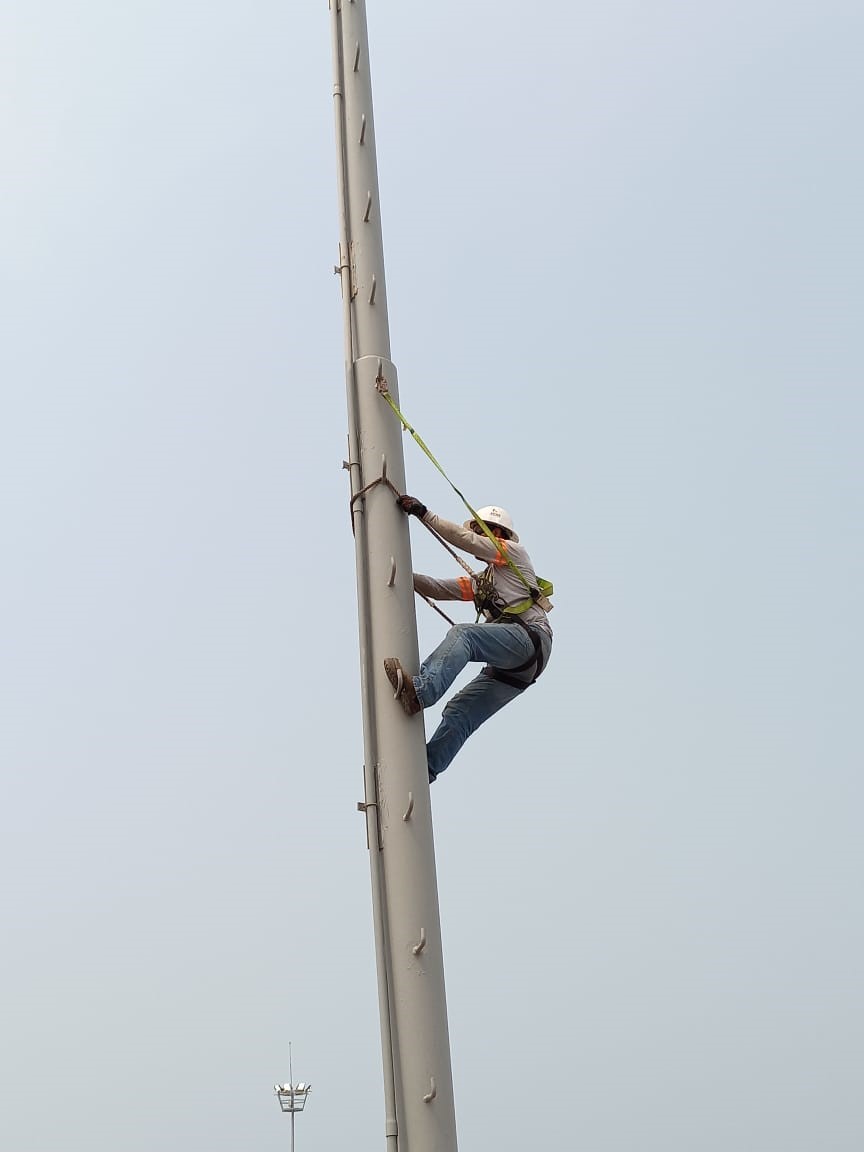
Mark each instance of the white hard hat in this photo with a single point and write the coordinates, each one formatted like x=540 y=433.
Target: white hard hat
x=495 y=515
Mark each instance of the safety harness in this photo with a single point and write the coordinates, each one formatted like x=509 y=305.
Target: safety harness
x=497 y=613
x=535 y=661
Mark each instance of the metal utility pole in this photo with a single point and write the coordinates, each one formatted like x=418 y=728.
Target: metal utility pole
x=418 y=1082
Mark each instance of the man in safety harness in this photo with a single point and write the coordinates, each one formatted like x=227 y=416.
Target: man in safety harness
x=514 y=642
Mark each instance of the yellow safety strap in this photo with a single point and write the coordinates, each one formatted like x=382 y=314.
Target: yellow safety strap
x=545 y=586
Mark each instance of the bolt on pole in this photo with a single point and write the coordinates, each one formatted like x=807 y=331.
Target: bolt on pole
x=418 y=1084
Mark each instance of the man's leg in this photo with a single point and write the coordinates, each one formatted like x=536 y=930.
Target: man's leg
x=501 y=645
x=464 y=714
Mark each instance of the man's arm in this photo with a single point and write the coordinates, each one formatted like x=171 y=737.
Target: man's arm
x=458 y=589
x=478 y=545
x=475 y=543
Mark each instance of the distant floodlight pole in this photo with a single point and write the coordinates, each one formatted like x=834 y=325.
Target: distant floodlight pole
x=291 y=1096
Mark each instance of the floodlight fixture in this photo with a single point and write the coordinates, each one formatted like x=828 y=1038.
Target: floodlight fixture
x=292 y=1097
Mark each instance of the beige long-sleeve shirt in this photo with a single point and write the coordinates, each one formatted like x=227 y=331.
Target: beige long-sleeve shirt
x=507 y=588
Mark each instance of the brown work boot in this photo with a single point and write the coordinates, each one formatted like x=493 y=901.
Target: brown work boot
x=403 y=686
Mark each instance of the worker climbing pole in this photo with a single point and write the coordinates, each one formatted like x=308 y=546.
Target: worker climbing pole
x=514 y=653
x=418 y=1088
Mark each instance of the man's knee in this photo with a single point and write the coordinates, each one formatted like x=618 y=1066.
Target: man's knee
x=465 y=636
x=459 y=631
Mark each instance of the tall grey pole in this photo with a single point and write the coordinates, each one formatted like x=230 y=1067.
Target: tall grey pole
x=418 y=1082
x=291 y=1083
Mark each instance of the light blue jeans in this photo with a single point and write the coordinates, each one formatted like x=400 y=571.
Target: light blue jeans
x=501 y=646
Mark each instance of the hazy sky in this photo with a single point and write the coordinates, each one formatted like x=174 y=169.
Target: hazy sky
x=626 y=284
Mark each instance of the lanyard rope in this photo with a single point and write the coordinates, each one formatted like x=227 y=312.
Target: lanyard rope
x=381 y=385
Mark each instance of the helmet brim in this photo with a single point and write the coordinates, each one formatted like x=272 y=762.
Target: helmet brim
x=514 y=536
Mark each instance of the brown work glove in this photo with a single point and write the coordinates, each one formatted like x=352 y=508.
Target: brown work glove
x=412 y=507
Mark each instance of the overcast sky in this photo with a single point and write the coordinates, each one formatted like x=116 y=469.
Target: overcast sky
x=626 y=285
